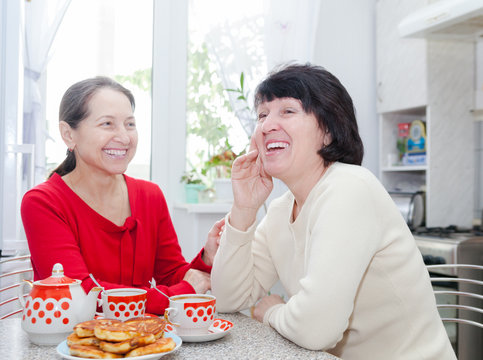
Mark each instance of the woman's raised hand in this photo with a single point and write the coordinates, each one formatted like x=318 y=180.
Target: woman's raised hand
x=251 y=187
x=213 y=242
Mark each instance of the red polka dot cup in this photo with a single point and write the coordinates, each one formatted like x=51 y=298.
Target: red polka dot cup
x=191 y=314
x=54 y=306
x=123 y=304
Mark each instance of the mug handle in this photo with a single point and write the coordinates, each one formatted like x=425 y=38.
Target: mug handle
x=167 y=313
x=20 y=292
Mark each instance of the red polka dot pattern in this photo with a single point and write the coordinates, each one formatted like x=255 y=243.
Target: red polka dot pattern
x=221 y=325
x=201 y=312
x=124 y=311
x=49 y=312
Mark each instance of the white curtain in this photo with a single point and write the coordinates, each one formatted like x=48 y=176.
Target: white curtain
x=256 y=37
x=290 y=28
x=41 y=22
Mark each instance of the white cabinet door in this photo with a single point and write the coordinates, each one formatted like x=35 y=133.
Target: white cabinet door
x=401 y=63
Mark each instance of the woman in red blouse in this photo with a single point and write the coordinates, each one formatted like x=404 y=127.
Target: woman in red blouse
x=93 y=219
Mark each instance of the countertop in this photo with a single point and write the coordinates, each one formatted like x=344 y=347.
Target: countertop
x=248 y=339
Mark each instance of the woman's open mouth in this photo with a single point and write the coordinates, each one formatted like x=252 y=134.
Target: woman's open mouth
x=116 y=152
x=276 y=146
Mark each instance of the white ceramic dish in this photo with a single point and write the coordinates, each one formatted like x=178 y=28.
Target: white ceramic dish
x=63 y=350
x=219 y=329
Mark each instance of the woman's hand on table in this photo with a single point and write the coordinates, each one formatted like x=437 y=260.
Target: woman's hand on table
x=213 y=242
x=258 y=311
x=199 y=280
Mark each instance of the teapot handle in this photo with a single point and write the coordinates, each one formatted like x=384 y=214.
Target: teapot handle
x=20 y=291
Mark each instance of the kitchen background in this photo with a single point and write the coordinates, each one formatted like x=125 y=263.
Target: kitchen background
x=416 y=79
x=397 y=74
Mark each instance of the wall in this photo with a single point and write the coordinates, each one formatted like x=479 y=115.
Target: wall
x=450 y=178
x=3 y=55
x=479 y=172
x=479 y=134
x=346 y=38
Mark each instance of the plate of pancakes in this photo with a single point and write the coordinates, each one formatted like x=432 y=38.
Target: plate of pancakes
x=137 y=338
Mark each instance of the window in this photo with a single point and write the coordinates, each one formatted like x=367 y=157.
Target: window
x=111 y=38
x=224 y=41
x=129 y=40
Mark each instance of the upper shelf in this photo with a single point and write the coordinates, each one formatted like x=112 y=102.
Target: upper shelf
x=445 y=19
x=405 y=168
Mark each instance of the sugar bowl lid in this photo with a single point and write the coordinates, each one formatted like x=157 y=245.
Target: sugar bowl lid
x=58 y=277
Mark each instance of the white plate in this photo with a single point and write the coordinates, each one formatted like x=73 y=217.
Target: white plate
x=63 y=350
x=216 y=331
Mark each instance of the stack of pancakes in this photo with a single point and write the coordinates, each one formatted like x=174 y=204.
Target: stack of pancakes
x=109 y=339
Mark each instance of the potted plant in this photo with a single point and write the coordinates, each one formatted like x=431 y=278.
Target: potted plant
x=219 y=166
x=220 y=162
x=193 y=185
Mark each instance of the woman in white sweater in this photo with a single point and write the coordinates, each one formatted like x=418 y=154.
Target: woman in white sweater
x=356 y=283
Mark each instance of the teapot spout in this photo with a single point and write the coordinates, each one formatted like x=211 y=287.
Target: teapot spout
x=88 y=308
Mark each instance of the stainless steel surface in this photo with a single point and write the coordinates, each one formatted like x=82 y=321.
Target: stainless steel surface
x=445 y=249
x=453 y=246
x=411 y=206
x=13 y=270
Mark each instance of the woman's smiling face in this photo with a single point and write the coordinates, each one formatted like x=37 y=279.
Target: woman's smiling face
x=288 y=139
x=106 y=140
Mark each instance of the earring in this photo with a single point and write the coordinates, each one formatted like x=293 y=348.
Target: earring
x=71 y=149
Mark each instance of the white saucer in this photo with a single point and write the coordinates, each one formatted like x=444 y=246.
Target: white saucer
x=216 y=331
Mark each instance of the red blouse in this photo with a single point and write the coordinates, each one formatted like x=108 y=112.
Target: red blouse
x=62 y=228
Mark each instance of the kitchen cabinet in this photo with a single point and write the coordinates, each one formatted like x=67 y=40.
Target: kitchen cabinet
x=401 y=63
x=432 y=81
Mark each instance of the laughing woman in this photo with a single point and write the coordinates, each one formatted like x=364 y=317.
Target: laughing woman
x=356 y=283
x=93 y=219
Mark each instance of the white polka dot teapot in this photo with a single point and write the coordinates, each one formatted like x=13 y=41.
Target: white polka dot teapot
x=54 y=306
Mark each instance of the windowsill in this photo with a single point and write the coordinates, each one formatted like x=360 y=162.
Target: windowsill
x=206 y=208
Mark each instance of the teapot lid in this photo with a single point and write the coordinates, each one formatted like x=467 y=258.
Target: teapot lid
x=57 y=277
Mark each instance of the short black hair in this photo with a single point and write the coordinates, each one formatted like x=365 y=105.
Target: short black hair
x=321 y=94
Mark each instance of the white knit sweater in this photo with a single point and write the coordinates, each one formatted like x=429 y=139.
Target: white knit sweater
x=356 y=281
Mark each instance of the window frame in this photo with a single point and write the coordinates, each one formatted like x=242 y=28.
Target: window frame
x=168 y=135
x=11 y=91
